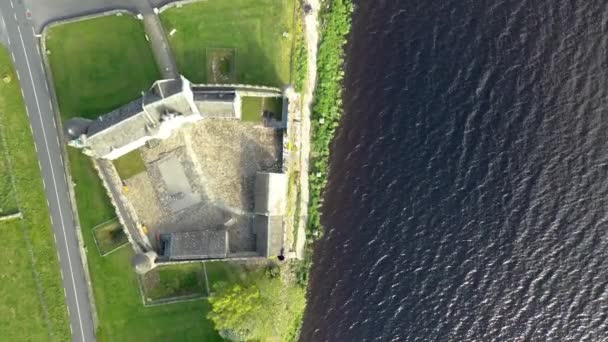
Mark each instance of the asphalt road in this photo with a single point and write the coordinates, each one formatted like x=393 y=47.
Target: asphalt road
x=18 y=33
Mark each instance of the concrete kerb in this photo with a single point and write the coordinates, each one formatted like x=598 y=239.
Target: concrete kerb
x=177 y=4
x=64 y=154
x=17 y=215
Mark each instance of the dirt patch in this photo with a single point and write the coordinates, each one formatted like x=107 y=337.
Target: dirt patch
x=221 y=65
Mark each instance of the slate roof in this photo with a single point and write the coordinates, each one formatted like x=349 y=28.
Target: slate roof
x=269 y=234
x=200 y=244
x=131 y=122
x=270 y=193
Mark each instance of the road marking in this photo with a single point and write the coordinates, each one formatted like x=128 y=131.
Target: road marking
x=54 y=124
x=44 y=185
x=54 y=235
x=36 y=148
x=22 y=95
x=65 y=238
x=15 y=15
x=18 y=76
x=12 y=4
x=33 y=32
x=8 y=37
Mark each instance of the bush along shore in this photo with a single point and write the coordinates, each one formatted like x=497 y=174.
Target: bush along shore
x=334 y=22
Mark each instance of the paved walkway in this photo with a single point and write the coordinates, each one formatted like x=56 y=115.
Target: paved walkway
x=158 y=40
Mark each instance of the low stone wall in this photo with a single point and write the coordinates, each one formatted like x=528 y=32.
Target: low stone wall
x=246 y=89
x=15 y=216
x=125 y=212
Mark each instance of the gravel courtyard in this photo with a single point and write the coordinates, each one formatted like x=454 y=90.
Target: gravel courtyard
x=203 y=177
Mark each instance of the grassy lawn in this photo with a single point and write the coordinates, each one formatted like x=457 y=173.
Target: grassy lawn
x=254 y=28
x=99 y=64
x=8 y=204
x=129 y=165
x=109 y=236
x=91 y=61
x=32 y=306
x=174 y=281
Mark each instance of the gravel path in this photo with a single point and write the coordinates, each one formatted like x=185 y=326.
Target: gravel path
x=311 y=34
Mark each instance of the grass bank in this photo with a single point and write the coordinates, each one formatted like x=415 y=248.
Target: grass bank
x=32 y=306
x=335 y=19
x=98 y=65
x=260 y=32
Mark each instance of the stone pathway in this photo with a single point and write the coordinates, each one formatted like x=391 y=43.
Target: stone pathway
x=158 y=40
x=311 y=34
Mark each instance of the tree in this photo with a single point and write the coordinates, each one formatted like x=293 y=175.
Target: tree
x=264 y=310
x=233 y=311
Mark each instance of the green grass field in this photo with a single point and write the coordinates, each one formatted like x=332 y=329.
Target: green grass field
x=32 y=306
x=174 y=281
x=254 y=28
x=8 y=204
x=129 y=165
x=99 y=65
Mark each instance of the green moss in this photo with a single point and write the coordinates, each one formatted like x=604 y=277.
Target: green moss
x=253 y=28
x=129 y=165
x=32 y=303
x=251 y=109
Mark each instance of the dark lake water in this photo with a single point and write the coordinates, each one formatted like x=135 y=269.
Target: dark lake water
x=468 y=190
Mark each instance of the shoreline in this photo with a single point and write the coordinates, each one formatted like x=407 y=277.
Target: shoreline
x=322 y=109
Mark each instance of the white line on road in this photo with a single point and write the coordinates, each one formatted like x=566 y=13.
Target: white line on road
x=18 y=76
x=34 y=32
x=15 y=15
x=54 y=235
x=8 y=38
x=12 y=4
x=65 y=238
